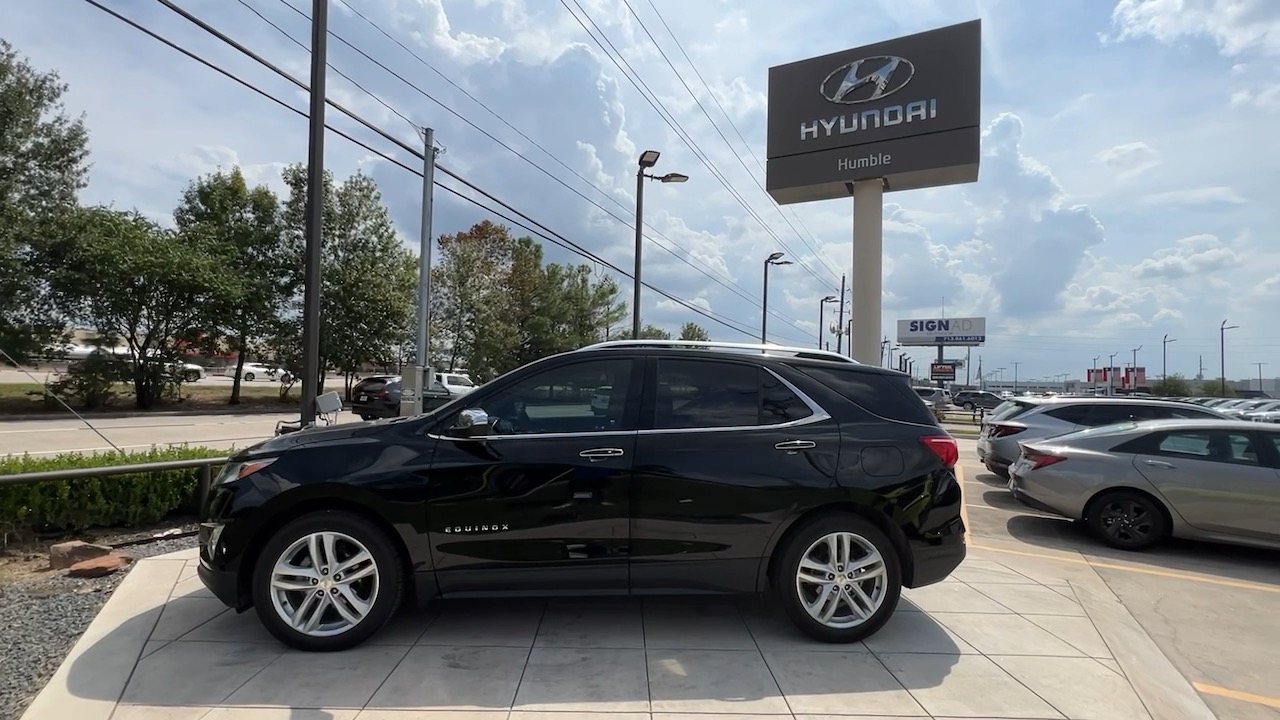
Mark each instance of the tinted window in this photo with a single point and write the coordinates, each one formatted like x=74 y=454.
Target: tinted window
x=559 y=399
x=1074 y=414
x=1215 y=445
x=889 y=396
x=1009 y=409
x=778 y=404
x=693 y=394
x=1112 y=413
x=1188 y=413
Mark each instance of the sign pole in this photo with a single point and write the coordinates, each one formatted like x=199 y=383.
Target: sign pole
x=867 y=272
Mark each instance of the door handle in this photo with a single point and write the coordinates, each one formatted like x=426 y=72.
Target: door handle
x=595 y=454
x=791 y=447
x=1159 y=464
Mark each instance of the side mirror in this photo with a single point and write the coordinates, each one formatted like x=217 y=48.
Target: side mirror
x=471 y=422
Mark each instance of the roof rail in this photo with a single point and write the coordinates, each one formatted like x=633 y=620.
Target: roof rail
x=766 y=348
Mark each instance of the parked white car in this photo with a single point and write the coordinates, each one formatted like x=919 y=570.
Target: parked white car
x=254 y=371
x=456 y=383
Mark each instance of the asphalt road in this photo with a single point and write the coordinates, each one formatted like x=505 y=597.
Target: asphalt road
x=1214 y=610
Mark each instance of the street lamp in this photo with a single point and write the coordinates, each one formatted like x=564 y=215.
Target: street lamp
x=1222 y=352
x=822 y=315
x=774 y=259
x=1111 y=364
x=1164 y=356
x=648 y=159
x=1135 y=367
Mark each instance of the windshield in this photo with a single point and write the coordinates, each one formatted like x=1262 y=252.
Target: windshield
x=1010 y=409
x=461 y=380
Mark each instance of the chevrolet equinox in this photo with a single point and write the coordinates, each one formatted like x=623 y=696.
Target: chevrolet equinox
x=707 y=468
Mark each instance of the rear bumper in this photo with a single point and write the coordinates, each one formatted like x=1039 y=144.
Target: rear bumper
x=933 y=563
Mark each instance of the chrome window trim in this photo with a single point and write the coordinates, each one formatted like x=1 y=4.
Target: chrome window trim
x=819 y=415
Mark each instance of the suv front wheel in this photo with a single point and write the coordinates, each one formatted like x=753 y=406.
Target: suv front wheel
x=839 y=578
x=327 y=581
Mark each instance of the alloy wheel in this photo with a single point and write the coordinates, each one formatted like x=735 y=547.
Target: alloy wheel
x=841 y=580
x=324 y=584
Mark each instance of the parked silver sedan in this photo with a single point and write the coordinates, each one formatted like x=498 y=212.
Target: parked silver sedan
x=1133 y=484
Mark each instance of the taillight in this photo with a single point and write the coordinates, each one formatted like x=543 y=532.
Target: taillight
x=1042 y=460
x=384 y=393
x=944 y=446
x=998 y=430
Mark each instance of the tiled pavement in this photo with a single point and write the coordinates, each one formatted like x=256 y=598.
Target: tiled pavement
x=990 y=642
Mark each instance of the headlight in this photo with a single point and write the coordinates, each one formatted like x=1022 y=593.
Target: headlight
x=236 y=471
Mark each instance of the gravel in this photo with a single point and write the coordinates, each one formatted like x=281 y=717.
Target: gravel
x=41 y=620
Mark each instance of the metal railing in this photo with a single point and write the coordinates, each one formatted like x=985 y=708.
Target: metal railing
x=204 y=465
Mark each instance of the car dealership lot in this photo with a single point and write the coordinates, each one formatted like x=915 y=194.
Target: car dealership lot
x=1214 y=610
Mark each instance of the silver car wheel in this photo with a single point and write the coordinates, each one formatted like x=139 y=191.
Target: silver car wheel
x=324 y=584
x=841 y=580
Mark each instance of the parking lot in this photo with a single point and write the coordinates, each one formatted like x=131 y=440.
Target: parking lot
x=1214 y=610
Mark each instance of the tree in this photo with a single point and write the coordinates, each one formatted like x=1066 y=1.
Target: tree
x=653 y=332
x=128 y=278
x=693 y=332
x=241 y=227
x=1173 y=386
x=370 y=277
x=1215 y=388
x=43 y=164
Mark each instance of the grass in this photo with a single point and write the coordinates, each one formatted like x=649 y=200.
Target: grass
x=28 y=399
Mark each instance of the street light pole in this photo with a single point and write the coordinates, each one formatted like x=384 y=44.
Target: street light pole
x=1260 y=364
x=1164 y=355
x=773 y=259
x=1222 y=353
x=1111 y=380
x=1135 y=367
x=1015 y=377
x=822 y=315
x=1093 y=378
x=648 y=159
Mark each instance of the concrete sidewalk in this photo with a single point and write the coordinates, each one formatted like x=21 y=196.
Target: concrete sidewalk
x=1005 y=637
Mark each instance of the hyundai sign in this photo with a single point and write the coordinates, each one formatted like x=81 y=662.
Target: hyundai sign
x=942 y=331
x=905 y=110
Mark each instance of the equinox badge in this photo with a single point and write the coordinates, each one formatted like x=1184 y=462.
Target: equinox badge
x=476 y=528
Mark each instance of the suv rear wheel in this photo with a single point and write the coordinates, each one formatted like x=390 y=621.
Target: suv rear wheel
x=839 y=578
x=327 y=581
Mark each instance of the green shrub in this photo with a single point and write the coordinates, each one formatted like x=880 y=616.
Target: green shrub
x=109 y=501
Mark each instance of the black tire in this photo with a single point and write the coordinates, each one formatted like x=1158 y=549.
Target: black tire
x=1126 y=520
x=191 y=376
x=968 y=407
x=247 y=377
x=1002 y=472
x=389 y=576
x=789 y=594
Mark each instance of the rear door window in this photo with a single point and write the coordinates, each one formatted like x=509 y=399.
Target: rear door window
x=887 y=396
x=1074 y=414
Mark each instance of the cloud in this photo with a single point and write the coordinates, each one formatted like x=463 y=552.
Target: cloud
x=1194 y=196
x=1235 y=25
x=1129 y=160
x=1196 y=256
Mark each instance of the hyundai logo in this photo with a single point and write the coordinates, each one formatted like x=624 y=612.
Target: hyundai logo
x=868 y=79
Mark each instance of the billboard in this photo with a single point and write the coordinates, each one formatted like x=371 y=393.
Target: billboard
x=942 y=371
x=943 y=331
x=1120 y=377
x=905 y=110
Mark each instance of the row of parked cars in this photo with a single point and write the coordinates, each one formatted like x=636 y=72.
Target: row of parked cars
x=1137 y=470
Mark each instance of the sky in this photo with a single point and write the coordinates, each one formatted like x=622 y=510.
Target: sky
x=1127 y=188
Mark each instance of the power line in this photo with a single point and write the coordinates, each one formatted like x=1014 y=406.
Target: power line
x=549 y=235
x=643 y=88
x=750 y=151
x=718 y=278
x=817 y=253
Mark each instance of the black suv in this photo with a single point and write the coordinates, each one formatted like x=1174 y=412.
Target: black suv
x=973 y=399
x=708 y=468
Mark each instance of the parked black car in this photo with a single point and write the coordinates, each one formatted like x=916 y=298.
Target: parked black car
x=711 y=469
x=377 y=396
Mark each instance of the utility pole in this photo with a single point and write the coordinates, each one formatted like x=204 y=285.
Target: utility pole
x=840 y=318
x=1015 y=377
x=1164 y=355
x=968 y=355
x=422 y=374
x=1260 y=364
x=314 y=223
